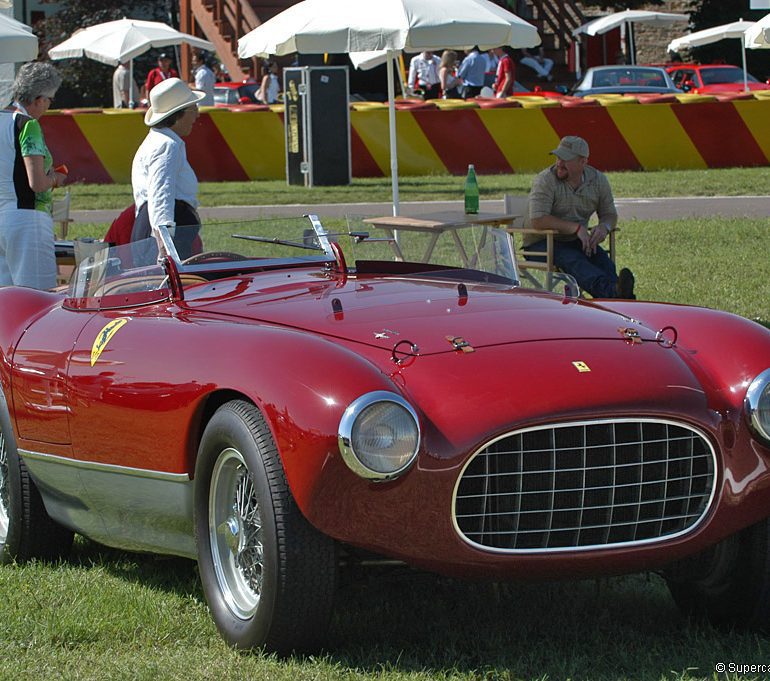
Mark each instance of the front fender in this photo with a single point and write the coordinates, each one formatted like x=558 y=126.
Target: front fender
x=302 y=383
x=724 y=350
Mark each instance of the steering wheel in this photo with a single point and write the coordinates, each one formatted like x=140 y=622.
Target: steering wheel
x=213 y=255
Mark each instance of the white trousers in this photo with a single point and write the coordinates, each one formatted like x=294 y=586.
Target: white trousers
x=27 y=255
x=541 y=70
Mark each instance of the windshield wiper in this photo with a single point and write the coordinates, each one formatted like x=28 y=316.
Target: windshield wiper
x=281 y=242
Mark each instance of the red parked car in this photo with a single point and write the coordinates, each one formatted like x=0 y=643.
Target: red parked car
x=271 y=408
x=712 y=78
x=226 y=94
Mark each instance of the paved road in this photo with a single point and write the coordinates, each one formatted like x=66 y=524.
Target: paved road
x=643 y=209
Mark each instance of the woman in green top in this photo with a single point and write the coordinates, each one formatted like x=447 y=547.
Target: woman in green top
x=27 y=179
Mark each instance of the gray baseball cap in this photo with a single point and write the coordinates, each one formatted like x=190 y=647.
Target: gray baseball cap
x=571 y=147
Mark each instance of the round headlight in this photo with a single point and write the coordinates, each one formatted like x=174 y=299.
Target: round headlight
x=758 y=406
x=379 y=435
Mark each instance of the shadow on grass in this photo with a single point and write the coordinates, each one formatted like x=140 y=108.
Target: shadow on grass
x=626 y=627
x=166 y=573
x=402 y=622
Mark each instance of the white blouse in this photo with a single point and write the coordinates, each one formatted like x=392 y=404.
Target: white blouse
x=161 y=174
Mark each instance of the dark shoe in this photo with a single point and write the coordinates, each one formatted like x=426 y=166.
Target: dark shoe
x=625 y=285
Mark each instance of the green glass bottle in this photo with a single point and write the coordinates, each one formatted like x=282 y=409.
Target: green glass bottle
x=471 y=192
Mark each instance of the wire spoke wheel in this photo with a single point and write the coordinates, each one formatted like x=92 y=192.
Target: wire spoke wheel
x=4 y=489
x=235 y=534
x=269 y=577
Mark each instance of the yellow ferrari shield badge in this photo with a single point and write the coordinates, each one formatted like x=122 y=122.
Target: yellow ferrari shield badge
x=582 y=367
x=104 y=336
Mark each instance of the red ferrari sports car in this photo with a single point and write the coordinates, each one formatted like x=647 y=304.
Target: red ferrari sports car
x=712 y=79
x=280 y=404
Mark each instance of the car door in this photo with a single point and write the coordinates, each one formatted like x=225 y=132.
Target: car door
x=127 y=392
x=120 y=372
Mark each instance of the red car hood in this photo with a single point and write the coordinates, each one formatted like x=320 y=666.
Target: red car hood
x=718 y=88
x=382 y=312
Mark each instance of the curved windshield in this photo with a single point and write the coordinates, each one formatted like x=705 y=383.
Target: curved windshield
x=433 y=246
x=729 y=75
x=116 y=276
x=471 y=248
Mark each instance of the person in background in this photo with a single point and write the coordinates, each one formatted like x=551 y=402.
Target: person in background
x=506 y=74
x=203 y=78
x=161 y=72
x=538 y=62
x=449 y=81
x=490 y=73
x=220 y=72
x=270 y=87
x=472 y=70
x=563 y=198
x=124 y=89
x=423 y=74
x=165 y=186
x=27 y=180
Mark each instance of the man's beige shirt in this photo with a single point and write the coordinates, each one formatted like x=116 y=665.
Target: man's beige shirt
x=552 y=196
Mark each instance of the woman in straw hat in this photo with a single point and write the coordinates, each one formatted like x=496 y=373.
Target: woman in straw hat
x=164 y=183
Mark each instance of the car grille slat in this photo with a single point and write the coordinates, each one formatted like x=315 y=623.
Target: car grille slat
x=586 y=485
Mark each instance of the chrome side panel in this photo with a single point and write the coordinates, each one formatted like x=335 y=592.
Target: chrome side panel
x=127 y=508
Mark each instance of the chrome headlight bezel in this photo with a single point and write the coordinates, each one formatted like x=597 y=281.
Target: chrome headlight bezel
x=345 y=435
x=758 y=400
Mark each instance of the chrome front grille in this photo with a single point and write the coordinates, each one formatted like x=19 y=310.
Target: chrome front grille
x=585 y=485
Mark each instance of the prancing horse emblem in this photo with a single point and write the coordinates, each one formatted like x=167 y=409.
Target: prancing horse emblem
x=104 y=336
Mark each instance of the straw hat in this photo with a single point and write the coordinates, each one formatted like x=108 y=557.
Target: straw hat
x=168 y=97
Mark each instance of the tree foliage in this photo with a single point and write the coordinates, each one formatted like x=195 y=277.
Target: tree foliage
x=86 y=82
x=708 y=13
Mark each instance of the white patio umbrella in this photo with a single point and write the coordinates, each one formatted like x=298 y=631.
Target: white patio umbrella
x=629 y=16
x=114 y=42
x=735 y=29
x=758 y=36
x=17 y=42
x=345 y=26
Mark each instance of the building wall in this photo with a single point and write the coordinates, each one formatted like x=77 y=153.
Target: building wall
x=651 y=41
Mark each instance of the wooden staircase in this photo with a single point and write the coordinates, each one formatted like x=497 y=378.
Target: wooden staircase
x=224 y=21
x=555 y=21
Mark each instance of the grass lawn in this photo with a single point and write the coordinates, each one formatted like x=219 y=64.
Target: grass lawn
x=723 y=182
x=109 y=615
x=106 y=614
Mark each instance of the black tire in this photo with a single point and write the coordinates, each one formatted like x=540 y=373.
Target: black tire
x=269 y=577
x=26 y=530
x=729 y=584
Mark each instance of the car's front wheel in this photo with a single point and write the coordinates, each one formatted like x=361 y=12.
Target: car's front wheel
x=26 y=530
x=730 y=583
x=268 y=575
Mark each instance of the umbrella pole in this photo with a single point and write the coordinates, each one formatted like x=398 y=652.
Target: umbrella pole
x=745 y=71
x=131 y=102
x=392 y=126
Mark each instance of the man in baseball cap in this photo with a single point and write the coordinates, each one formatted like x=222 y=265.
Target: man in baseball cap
x=160 y=73
x=563 y=198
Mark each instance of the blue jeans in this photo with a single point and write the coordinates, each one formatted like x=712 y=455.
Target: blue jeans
x=595 y=274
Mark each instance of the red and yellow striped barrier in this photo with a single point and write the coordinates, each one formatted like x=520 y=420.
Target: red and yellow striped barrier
x=244 y=145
